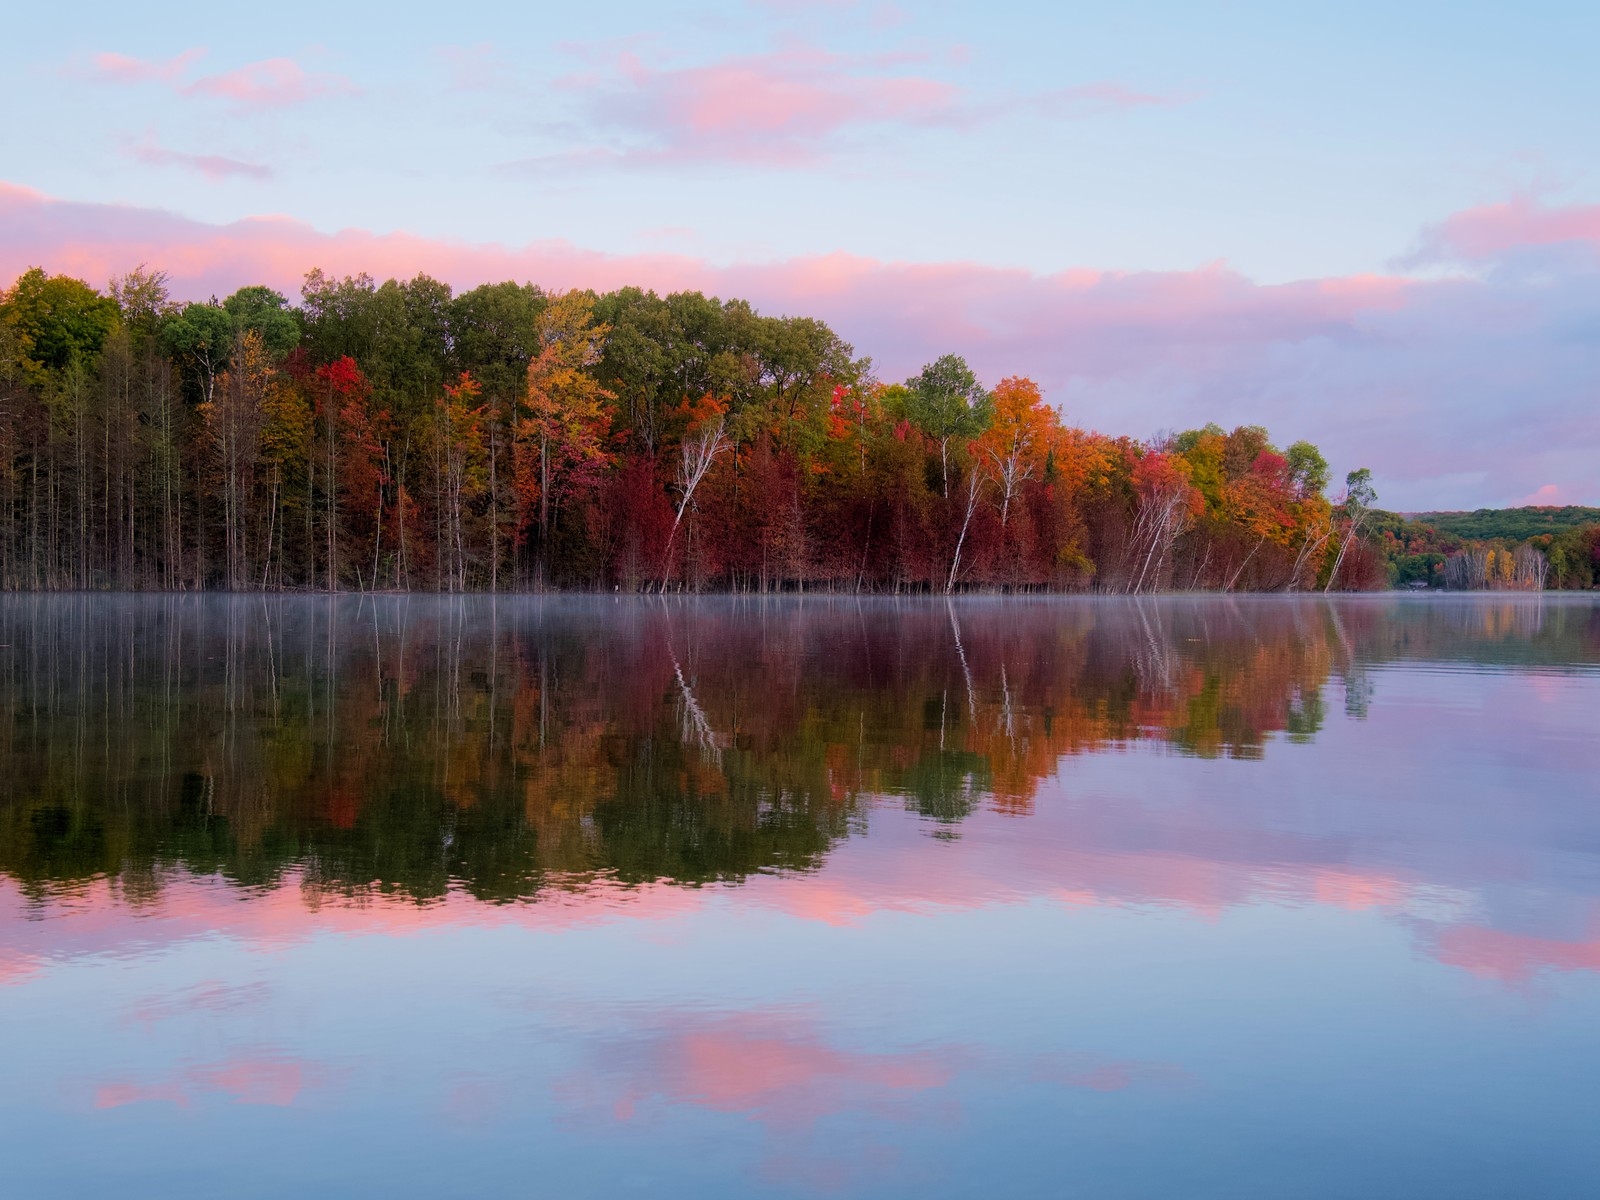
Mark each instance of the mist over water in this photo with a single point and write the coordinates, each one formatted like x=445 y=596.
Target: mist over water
x=1110 y=897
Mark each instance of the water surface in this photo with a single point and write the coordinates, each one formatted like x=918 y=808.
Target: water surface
x=599 y=897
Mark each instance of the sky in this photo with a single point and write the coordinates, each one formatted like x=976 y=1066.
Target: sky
x=1374 y=226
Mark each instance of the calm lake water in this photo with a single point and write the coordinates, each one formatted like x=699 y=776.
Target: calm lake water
x=591 y=897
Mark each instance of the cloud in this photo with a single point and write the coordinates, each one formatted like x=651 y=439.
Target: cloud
x=777 y=108
x=1458 y=392
x=773 y=1067
x=268 y=1078
x=119 y=68
x=794 y=105
x=1548 y=496
x=212 y=166
x=1491 y=232
x=780 y=1069
x=270 y=83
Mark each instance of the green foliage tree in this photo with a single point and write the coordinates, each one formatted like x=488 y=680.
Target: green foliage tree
x=60 y=319
x=1308 y=470
x=265 y=312
x=947 y=403
x=201 y=337
x=1356 y=509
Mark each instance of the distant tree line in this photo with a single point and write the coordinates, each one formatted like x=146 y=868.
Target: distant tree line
x=1509 y=549
x=1511 y=524
x=400 y=436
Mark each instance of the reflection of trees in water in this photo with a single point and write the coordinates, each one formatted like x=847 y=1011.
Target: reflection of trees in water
x=409 y=744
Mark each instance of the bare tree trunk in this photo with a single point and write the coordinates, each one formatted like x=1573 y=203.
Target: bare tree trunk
x=272 y=525
x=333 y=501
x=1244 y=564
x=698 y=455
x=494 y=502
x=974 y=484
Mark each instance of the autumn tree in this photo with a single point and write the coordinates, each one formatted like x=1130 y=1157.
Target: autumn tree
x=1018 y=437
x=561 y=439
x=352 y=473
x=460 y=432
x=233 y=420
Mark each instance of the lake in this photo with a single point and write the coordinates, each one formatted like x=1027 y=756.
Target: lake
x=594 y=897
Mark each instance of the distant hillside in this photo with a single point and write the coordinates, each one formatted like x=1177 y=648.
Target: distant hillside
x=1416 y=546
x=1510 y=524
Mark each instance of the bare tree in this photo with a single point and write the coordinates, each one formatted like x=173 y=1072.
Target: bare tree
x=1359 y=495
x=975 y=481
x=700 y=450
x=1165 y=512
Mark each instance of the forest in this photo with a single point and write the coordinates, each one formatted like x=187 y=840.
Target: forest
x=404 y=437
x=1504 y=549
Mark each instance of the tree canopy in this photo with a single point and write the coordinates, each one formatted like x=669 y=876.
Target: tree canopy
x=399 y=435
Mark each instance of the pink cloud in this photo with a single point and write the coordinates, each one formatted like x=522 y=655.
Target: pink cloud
x=271 y=83
x=120 y=68
x=796 y=104
x=1548 y=496
x=1492 y=230
x=779 y=107
x=212 y=166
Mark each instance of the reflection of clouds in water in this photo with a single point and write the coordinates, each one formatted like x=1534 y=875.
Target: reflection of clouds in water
x=213 y=996
x=263 y=1077
x=1514 y=958
x=779 y=1069
x=774 y=1068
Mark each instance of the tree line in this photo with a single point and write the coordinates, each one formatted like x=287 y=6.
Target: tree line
x=404 y=437
x=1516 y=549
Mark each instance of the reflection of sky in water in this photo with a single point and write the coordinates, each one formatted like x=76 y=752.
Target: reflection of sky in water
x=1363 y=961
